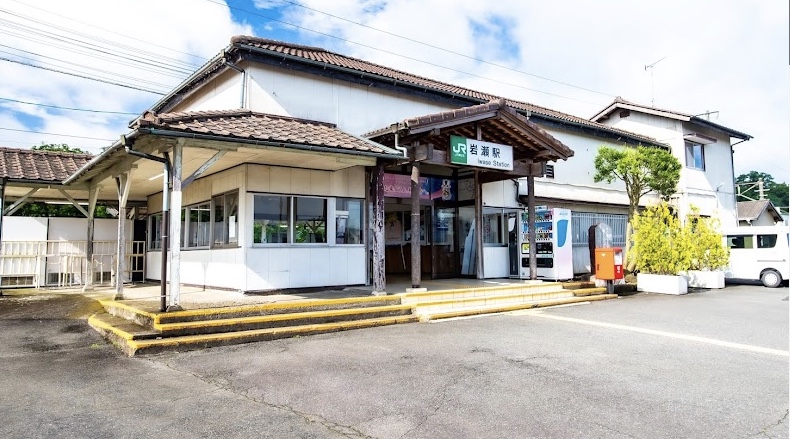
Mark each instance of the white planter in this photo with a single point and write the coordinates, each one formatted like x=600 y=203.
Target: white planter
x=705 y=279
x=661 y=283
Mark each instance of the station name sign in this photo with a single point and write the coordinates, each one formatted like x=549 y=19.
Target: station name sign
x=471 y=152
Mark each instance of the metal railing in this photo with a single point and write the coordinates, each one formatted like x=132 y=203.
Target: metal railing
x=580 y=225
x=64 y=263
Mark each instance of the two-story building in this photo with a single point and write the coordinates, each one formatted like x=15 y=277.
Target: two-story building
x=296 y=167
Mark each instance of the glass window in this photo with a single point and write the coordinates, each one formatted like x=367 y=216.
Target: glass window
x=155 y=232
x=197 y=220
x=695 y=156
x=348 y=221
x=740 y=241
x=309 y=219
x=493 y=228
x=270 y=219
x=766 y=241
x=225 y=224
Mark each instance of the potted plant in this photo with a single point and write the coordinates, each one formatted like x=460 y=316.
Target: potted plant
x=709 y=255
x=662 y=250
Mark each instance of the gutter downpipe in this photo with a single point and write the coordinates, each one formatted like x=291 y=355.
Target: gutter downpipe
x=243 y=100
x=165 y=226
x=396 y=131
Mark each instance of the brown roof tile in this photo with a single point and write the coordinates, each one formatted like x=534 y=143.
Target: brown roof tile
x=44 y=166
x=335 y=59
x=249 y=125
x=331 y=59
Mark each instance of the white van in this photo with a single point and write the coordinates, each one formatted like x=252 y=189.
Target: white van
x=759 y=253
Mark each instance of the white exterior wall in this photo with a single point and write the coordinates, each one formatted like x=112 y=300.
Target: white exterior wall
x=75 y=229
x=25 y=228
x=712 y=191
x=290 y=93
x=500 y=194
x=217 y=267
x=222 y=93
x=279 y=266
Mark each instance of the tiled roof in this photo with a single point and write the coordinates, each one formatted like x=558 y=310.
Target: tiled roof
x=500 y=105
x=272 y=129
x=323 y=56
x=44 y=166
x=622 y=103
x=751 y=210
x=328 y=59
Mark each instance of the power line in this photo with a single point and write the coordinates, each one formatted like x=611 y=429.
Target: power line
x=118 y=75
x=81 y=76
x=403 y=56
x=104 y=30
x=68 y=108
x=113 y=53
x=480 y=60
x=57 y=134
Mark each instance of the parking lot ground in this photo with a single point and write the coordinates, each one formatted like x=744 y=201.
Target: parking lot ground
x=710 y=364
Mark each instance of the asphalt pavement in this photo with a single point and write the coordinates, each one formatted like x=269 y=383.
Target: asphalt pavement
x=710 y=364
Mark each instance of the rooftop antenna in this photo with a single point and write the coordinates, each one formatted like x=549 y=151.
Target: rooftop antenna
x=652 y=87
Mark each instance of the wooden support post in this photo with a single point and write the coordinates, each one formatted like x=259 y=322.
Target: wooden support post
x=377 y=196
x=416 y=263
x=533 y=260
x=93 y=193
x=175 y=230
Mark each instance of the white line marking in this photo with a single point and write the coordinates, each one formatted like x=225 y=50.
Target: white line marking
x=712 y=341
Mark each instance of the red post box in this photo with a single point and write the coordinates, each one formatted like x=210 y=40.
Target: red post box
x=609 y=263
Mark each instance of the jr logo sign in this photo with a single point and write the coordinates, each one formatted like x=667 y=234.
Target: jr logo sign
x=458 y=150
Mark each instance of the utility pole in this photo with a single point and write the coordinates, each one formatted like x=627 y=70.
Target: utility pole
x=652 y=86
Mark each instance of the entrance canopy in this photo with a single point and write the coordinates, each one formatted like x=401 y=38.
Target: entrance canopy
x=429 y=138
x=213 y=141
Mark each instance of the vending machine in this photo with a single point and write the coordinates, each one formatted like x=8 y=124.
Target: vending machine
x=553 y=245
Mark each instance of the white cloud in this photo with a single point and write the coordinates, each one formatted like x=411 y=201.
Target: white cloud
x=726 y=56
x=169 y=39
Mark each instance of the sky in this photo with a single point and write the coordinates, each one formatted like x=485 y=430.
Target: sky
x=104 y=62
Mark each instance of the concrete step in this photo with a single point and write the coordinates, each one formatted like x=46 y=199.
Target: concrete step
x=216 y=325
x=588 y=291
x=480 y=292
x=506 y=307
x=132 y=346
x=575 y=285
x=146 y=318
x=492 y=300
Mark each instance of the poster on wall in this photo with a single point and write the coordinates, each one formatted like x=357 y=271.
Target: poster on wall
x=431 y=188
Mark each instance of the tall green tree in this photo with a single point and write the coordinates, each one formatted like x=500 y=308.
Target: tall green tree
x=750 y=190
x=58 y=147
x=643 y=170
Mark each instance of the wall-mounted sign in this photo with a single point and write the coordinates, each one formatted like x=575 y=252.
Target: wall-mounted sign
x=431 y=188
x=470 y=152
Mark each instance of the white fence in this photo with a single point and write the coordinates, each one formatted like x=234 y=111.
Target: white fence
x=64 y=263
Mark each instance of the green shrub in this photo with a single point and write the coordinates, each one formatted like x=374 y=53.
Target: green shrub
x=661 y=244
x=708 y=249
